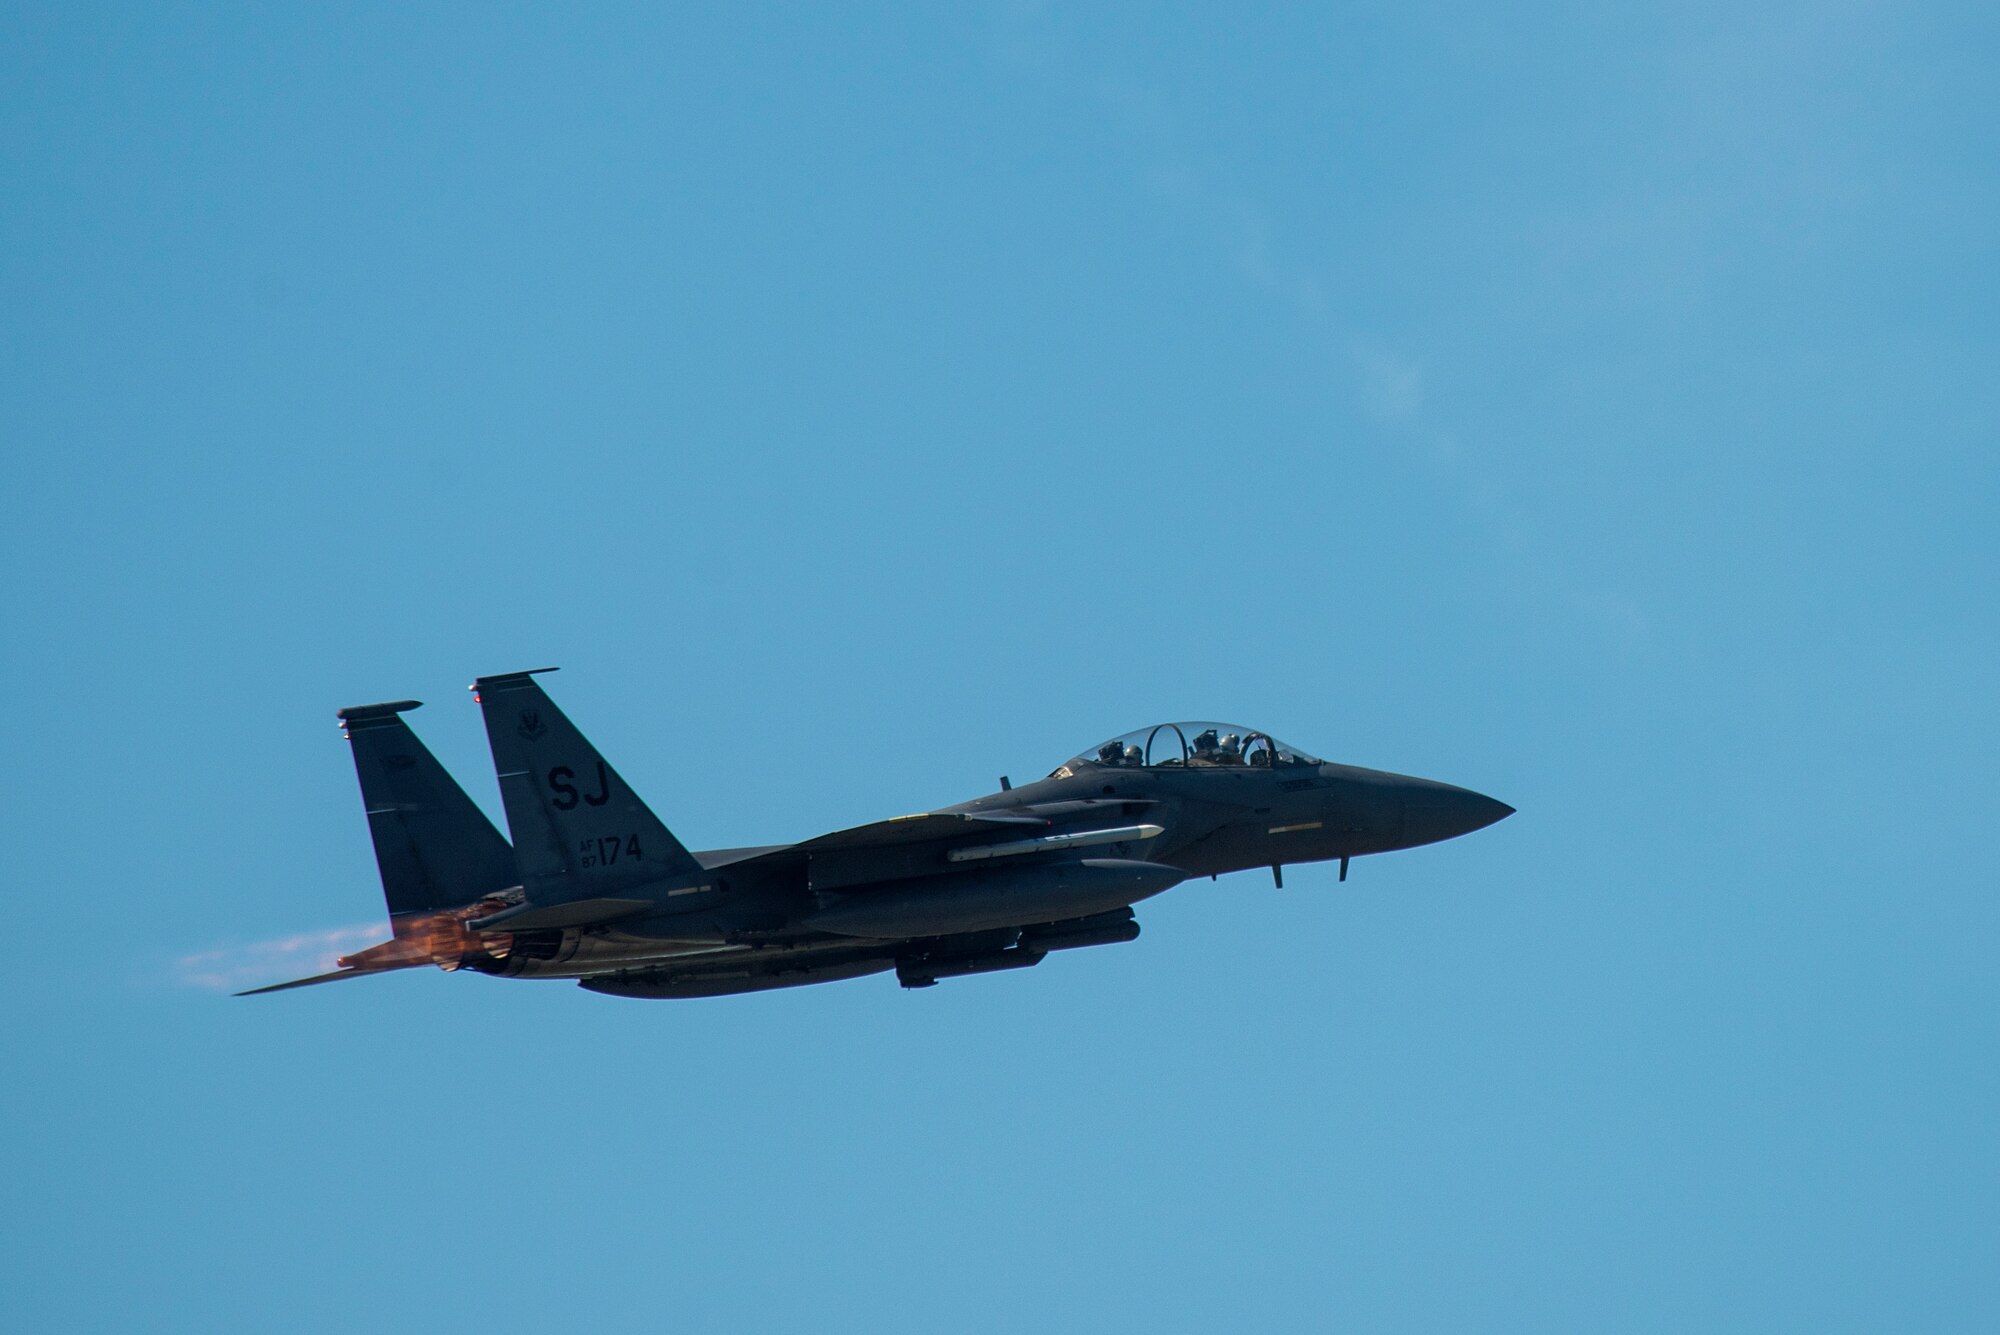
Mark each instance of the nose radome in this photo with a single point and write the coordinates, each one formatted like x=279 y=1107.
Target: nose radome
x=1435 y=811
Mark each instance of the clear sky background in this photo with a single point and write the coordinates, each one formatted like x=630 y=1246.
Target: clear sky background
x=1592 y=406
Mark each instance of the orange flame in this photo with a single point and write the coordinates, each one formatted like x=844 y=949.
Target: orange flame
x=440 y=938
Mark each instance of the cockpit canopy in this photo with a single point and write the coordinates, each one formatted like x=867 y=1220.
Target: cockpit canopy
x=1188 y=746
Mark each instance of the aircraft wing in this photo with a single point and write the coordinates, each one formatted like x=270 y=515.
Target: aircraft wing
x=918 y=829
x=932 y=826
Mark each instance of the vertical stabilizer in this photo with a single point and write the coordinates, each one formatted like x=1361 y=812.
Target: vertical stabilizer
x=580 y=832
x=435 y=848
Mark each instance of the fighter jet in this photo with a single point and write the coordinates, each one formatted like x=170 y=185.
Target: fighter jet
x=595 y=889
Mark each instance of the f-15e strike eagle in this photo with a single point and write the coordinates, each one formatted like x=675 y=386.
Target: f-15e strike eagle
x=596 y=889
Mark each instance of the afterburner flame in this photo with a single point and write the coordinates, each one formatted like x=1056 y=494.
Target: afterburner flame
x=441 y=938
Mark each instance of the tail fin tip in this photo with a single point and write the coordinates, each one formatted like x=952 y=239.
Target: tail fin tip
x=505 y=679
x=387 y=709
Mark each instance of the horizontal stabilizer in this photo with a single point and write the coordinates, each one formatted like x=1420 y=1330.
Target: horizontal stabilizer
x=333 y=977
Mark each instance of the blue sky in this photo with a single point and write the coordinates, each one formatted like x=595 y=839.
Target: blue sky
x=1594 y=407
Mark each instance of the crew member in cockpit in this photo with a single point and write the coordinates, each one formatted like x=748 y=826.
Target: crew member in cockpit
x=1211 y=749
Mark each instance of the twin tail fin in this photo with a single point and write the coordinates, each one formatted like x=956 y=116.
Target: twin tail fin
x=435 y=848
x=580 y=832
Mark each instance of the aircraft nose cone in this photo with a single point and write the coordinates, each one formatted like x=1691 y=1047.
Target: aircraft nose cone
x=1436 y=811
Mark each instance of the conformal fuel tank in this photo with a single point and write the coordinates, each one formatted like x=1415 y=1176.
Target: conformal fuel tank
x=975 y=901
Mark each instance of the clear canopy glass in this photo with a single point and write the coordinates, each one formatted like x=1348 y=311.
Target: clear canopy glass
x=1189 y=746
